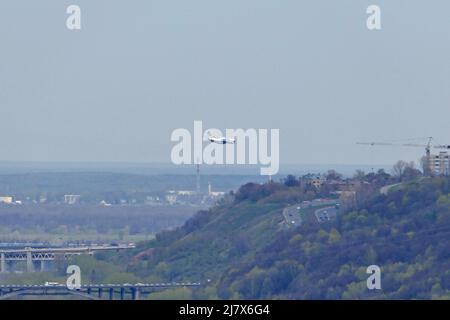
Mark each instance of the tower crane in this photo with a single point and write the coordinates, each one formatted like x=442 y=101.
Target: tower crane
x=427 y=146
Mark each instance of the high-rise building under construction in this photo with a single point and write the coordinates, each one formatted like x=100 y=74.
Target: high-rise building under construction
x=439 y=164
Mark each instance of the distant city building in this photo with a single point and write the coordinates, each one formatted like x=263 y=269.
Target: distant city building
x=105 y=204
x=152 y=200
x=6 y=199
x=171 y=198
x=316 y=180
x=439 y=164
x=71 y=198
x=184 y=193
x=214 y=194
x=217 y=194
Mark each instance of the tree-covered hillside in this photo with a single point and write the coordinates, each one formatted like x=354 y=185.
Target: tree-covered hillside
x=243 y=248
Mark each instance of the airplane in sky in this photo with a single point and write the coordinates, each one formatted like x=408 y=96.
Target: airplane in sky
x=221 y=140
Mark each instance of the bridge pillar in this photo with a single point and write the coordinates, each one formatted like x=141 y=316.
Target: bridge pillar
x=3 y=263
x=122 y=293
x=100 y=293
x=30 y=267
x=135 y=293
x=111 y=293
x=42 y=265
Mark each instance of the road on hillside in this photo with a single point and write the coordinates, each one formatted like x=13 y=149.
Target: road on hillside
x=385 y=190
x=292 y=214
x=325 y=214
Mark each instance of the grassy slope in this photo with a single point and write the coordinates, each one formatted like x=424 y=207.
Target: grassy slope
x=207 y=251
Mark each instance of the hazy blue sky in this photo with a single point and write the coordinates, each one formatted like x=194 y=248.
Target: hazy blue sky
x=137 y=70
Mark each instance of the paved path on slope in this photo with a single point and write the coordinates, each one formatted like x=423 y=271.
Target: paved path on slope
x=385 y=190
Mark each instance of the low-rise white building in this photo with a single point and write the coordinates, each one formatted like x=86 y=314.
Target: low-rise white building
x=6 y=199
x=71 y=198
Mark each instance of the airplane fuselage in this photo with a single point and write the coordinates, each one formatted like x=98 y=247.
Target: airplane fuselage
x=221 y=140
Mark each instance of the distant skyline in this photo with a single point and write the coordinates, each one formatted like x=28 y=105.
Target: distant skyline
x=161 y=168
x=116 y=89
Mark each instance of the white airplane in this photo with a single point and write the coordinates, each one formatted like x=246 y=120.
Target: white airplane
x=221 y=140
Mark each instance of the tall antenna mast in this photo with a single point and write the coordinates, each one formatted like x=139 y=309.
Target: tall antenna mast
x=198 y=178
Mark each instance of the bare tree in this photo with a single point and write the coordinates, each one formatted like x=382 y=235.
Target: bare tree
x=402 y=167
x=333 y=175
x=399 y=168
x=359 y=175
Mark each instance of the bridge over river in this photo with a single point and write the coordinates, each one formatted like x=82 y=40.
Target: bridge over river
x=42 y=255
x=91 y=291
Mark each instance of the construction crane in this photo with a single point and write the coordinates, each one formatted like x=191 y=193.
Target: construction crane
x=427 y=146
